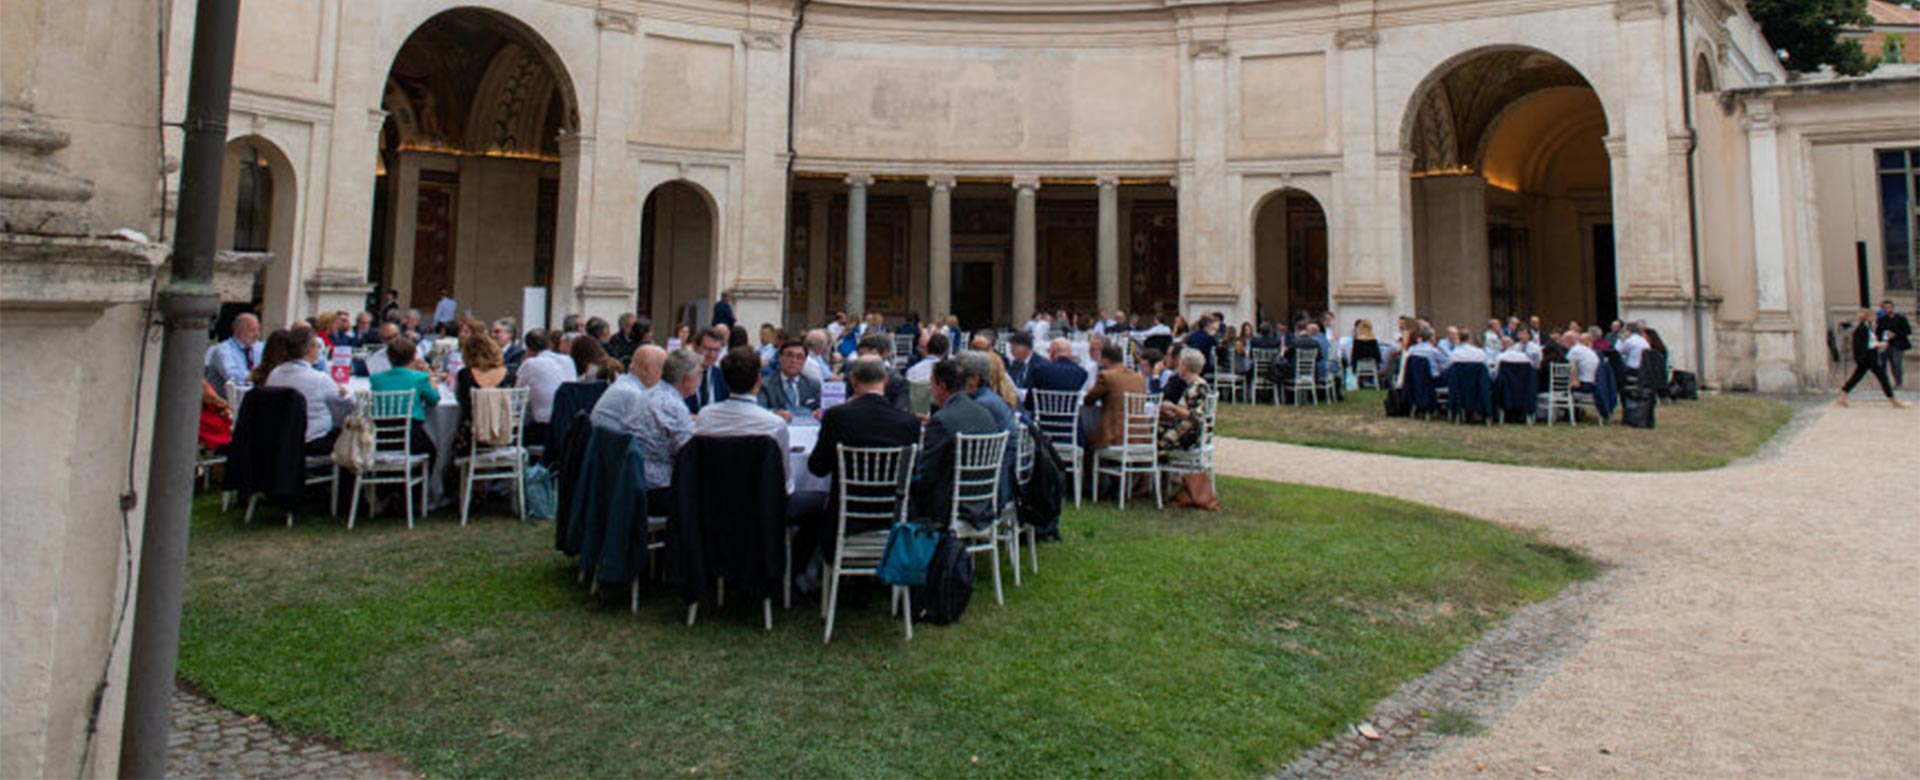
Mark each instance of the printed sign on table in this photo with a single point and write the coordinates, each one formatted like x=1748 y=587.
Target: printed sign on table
x=832 y=394
x=341 y=366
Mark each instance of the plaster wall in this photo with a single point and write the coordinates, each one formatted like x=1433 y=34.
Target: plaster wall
x=999 y=104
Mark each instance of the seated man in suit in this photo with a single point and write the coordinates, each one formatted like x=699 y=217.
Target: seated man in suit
x=1020 y=348
x=1060 y=372
x=789 y=392
x=711 y=344
x=881 y=345
x=1109 y=393
x=865 y=420
x=933 y=477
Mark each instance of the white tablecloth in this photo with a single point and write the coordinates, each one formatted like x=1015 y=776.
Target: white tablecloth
x=802 y=437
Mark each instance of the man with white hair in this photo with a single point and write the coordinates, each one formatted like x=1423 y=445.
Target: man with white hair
x=1632 y=344
x=234 y=359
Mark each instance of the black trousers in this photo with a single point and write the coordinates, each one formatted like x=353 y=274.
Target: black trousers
x=1860 y=369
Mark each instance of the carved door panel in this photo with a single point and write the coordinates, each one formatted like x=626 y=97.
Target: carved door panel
x=436 y=226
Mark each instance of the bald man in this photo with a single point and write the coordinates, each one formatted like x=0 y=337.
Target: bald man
x=646 y=405
x=235 y=358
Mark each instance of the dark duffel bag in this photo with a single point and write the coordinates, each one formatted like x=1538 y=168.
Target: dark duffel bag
x=1685 y=386
x=1397 y=405
x=949 y=583
x=1636 y=408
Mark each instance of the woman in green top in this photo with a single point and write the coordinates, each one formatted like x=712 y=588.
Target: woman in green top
x=408 y=374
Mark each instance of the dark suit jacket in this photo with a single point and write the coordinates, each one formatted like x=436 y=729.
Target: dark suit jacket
x=710 y=379
x=723 y=314
x=933 y=478
x=1063 y=375
x=865 y=421
x=773 y=393
x=1019 y=371
x=898 y=393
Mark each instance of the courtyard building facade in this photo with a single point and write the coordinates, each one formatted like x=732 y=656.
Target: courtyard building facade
x=1453 y=160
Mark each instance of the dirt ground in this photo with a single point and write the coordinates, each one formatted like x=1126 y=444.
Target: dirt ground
x=1771 y=628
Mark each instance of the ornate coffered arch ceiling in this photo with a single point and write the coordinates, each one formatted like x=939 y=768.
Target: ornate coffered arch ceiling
x=468 y=82
x=1456 y=111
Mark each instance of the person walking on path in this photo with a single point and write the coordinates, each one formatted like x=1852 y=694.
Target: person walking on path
x=1892 y=327
x=1867 y=350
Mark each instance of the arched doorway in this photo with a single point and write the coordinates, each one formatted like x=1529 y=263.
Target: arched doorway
x=677 y=247
x=1290 y=256
x=468 y=197
x=257 y=213
x=1512 y=192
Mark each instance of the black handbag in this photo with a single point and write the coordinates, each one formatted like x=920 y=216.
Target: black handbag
x=1636 y=408
x=1685 y=386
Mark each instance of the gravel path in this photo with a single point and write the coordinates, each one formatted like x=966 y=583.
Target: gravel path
x=210 y=742
x=1770 y=627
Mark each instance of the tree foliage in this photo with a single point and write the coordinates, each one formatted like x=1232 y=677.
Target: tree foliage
x=1808 y=31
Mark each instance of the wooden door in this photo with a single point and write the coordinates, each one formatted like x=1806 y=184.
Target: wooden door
x=435 y=229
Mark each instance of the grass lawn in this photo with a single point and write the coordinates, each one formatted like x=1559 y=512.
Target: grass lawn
x=1689 y=435
x=1170 y=643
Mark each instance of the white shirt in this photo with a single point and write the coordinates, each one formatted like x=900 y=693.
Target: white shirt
x=817 y=368
x=445 y=310
x=922 y=372
x=1630 y=349
x=1468 y=353
x=834 y=329
x=542 y=374
x=1039 y=330
x=1586 y=363
x=1436 y=359
x=740 y=416
x=321 y=392
x=1514 y=354
x=1157 y=329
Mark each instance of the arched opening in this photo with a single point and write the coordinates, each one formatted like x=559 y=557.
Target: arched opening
x=1512 y=192
x=468 y=191
x=1704 y=81
x=257 y=200
x=1290 y=256
x=677 y=255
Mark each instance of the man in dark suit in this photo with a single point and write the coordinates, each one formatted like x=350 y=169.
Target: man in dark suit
x=1019 y=369
x=867 y=419
x=1061 y=372
x=713 y=386
x=933 y=478
x=880 y=345
x=723 y=312
x=789 y=392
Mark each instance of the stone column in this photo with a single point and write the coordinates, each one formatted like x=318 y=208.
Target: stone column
x=1107 y=245
x=1025 y=189
x=857 y=185
x=940 y=248
x=818 y=227
x=1773 y=325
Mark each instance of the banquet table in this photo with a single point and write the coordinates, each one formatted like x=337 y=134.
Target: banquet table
x=802 y=437
x=443 y=420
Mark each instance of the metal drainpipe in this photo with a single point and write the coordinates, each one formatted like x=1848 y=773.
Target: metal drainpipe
x=793 y=80
x=187 y=303
x=1693 y=188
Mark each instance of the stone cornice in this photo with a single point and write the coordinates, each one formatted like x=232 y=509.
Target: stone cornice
x=1146 y=169
x=87 y=273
